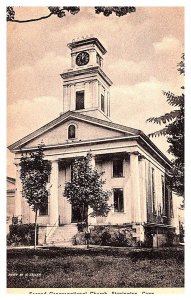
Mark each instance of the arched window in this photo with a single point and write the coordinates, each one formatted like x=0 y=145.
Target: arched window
x=71 y=132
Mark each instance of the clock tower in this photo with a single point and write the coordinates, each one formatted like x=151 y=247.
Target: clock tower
x=85 y=85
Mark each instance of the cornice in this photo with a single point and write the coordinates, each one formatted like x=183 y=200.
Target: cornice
x=87 y=42
x=86 y=71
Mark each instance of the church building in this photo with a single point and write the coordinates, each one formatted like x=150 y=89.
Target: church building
x=135 y=169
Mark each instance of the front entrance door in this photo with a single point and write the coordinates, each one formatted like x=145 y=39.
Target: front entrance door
x=76 y=215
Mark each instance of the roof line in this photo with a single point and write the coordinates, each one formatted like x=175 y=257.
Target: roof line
x=76 y=115
x=39 y=131
x=97 y=121
x=117 y=127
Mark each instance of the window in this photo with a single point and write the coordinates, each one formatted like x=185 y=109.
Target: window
x=118 y=200
x=153 y=188
x=71 y=132
x=79 y=100
x=43 y=211
x=171 y=204
x=168 y=201
x=108 y=103
x=102 y=103
x=118 y=168
x=163 y=195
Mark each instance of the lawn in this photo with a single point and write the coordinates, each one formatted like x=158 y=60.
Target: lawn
x=95 y=268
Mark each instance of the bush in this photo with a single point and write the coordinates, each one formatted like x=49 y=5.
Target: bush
x=123 y=238
x=105 y=238
x=170 y=238
x=21 y=234
x=81 y=226
x=119 y=236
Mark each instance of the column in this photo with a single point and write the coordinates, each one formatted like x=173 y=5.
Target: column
x=87 y=103
x=73 y=58
x=68 y=98
x=53 y=198
x=93 y=161
x=102 y=63
x=92 y=57
x=92 y=220
x=65 y=99
x=72 y=97
x=18 y=195
x=95 y=94
x=91 y=93
x=135 y=189
x=143 y=190
x=108 y=104
x=105 y=101
x=99 y=95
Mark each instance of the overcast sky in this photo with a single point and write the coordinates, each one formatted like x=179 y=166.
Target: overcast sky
x=143 y=49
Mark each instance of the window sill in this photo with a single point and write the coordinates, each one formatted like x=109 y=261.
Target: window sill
x=117 y=177
x=71 y=140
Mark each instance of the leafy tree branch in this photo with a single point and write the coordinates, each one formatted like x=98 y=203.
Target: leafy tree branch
x=60 y=12
x=174 y=132
x=34 y=176
x=85 y=190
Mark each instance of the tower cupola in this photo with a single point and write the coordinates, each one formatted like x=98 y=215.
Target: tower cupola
x=86 y=86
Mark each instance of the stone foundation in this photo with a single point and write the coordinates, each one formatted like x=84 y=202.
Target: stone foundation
x=159 y=235
x=126 y=235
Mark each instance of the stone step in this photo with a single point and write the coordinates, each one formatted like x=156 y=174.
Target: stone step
x=63 y=234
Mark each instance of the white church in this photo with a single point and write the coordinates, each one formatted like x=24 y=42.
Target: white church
x=135 y=169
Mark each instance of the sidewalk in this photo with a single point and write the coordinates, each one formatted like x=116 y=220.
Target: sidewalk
x=64 y=245
x=96 y=247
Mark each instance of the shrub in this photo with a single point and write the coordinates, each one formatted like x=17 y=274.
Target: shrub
x=81 y=226
x=119 y=236
x=170 y=237
x=79 y=239
x=21 y=234
x=105 y=238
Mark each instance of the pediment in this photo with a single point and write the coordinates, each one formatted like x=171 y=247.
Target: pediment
x=56 y=132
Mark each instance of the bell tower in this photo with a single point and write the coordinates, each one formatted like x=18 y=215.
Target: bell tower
x=85 y=85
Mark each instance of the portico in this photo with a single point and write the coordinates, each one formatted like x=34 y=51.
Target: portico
x=132 y=183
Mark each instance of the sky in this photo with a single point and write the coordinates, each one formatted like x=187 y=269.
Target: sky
x=143 y=49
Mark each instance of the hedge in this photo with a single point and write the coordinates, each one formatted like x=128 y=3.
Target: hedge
x=21 y=234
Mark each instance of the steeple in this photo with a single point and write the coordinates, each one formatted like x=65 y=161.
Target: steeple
x=86 y=86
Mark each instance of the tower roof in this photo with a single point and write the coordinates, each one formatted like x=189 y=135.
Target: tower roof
x=87 y=41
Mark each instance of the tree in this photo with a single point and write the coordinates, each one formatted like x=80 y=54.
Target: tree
x=34 y=177
x=60 y=12
x=174 y=131
x=85 y=191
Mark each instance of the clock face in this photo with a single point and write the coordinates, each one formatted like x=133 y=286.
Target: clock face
x=82 y=58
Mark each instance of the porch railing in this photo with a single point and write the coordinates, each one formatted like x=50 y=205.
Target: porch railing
x=52 y=227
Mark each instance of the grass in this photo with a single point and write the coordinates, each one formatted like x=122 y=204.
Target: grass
x=94 y=268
